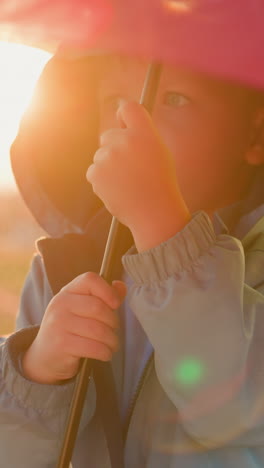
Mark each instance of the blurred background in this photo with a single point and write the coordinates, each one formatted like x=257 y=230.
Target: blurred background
x=20 y=67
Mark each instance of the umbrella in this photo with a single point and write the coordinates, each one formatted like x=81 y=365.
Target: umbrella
x=204 y=35
x=219 y=37
x=45 y=23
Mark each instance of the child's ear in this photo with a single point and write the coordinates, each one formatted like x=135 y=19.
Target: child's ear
x=255 y=153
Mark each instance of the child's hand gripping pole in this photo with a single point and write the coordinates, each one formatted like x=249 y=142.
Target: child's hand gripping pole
x=82 y=379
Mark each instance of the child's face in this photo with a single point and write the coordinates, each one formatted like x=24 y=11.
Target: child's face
x=206 y=124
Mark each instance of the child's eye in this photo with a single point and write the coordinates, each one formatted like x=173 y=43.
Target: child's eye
x=174 y=99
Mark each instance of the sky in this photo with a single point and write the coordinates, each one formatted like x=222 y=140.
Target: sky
x=20 y=67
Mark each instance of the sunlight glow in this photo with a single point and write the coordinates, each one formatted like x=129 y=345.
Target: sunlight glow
x=20 y=67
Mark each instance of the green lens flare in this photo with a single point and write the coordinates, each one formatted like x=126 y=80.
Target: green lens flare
x=189 y=371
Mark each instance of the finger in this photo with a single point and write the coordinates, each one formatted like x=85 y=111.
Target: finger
x=133 y=115
x=69 y=304
x=93 y=284
x=110 y=136
x=87 y=348
x=100 y=155
x=93 y=330
x=121 y=289
x=90 y=176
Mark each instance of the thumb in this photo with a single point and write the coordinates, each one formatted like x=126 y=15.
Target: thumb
x=133 y=115
x=120 y=288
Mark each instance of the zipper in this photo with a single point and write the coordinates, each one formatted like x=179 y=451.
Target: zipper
x=135 y=396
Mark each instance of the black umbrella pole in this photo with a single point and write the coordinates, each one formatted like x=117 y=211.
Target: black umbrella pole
x=82 y=380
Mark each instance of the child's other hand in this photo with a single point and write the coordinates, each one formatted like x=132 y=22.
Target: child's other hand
x=80 y=321
x=134 y=175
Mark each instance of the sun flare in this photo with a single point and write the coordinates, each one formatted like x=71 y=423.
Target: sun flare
x=20 y=67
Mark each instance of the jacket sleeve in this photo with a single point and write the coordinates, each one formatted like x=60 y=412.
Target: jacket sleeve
x=206 y=327
x=32 y=416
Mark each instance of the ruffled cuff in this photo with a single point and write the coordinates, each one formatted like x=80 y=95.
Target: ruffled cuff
x=30 y=394
x=173 y=256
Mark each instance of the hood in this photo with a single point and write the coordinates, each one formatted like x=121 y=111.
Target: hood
x=55 y=143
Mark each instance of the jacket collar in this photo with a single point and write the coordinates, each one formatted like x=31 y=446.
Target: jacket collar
x=73 y=254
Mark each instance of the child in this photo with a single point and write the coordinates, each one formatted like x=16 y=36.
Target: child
x=190 y=327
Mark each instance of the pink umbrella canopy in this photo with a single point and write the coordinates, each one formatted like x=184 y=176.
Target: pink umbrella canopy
x=220 y=37
x=48 y=22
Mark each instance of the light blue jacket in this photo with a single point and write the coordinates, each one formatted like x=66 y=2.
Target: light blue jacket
x=199 y=298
